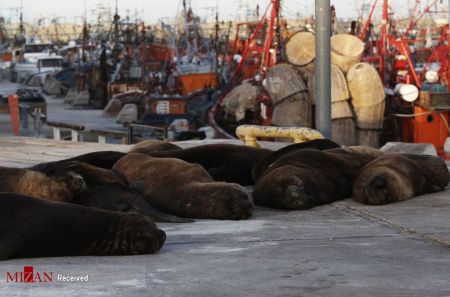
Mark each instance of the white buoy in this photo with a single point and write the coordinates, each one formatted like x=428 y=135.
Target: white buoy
x=407 y=92
x=432 y=76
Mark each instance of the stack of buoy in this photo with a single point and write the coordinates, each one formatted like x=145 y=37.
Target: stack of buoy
x=301 y=52
x=241 y=98
x=357 y=90
x=368 y=100
x=343 y=128
x=346 y=51
x=288 y=92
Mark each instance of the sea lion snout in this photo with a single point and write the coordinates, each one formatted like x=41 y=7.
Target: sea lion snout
x=74 y=181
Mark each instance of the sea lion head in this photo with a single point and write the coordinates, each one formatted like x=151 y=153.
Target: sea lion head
x=285 y=187
x=382 y=185
x=74 y=182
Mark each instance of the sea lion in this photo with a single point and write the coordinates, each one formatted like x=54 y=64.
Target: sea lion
x=92 y=175
x=107 y=190
x=263 y=164
x=183 y=189
x=398 y=177
x=224 y=162
x=118 y=197
x=33 y=183
x=153 y=145
x=31 y=227
x=308 y=178
x=102 y=159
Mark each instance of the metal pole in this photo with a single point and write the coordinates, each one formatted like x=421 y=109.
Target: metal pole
x=130 y=134
x=323 y=67
x=448 y=42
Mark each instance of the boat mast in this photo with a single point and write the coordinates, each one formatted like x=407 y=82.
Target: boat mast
x=268 y=61
x=116 y=34
x=84 y=36
x=187 y=30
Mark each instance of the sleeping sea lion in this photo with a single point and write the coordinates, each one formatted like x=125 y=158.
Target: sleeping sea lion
x=224 y=162
x=263 y=164
x=308 y=178
x=31 y=227
x=398 y=177
x=183 y=189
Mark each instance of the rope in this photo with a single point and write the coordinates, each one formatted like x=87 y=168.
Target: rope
x=396 y=226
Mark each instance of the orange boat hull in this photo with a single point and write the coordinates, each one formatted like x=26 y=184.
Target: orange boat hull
x=195 y=82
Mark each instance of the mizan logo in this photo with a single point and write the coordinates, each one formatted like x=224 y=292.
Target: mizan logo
x=29 y=276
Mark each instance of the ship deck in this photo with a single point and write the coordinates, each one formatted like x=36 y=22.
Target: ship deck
x=341 y=249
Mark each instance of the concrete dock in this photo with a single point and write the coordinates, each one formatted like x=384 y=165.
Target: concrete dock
x=341 y=249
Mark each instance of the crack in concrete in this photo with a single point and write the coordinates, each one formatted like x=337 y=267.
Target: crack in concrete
x=394 y=225
x=279 y=240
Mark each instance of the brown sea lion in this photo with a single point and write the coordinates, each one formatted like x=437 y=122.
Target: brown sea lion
x=224 y=162
x=183 y=189
x=308 y=178
x=31 y=227
x=33 y=183
x=263 y=164
x=153 y=145
x=398 y=177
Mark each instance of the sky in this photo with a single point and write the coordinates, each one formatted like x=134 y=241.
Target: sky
x=158 y=10
x=155 y=10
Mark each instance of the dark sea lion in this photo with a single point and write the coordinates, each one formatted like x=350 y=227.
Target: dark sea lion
x=118 y=197
x=31 y=227
x=102 y=159
x=308 y=178
x=183 y=189
x=224 y=162
x=33 y=183
x=153 y=145
x=263 y=164
x=398 y=177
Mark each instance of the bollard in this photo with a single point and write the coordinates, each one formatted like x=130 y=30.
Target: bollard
x=130 y=134
x=13 y=102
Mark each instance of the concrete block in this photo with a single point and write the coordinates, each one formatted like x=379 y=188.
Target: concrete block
x=113 y=108
x=71 y=95
x=410 y=148
x=128 y=114
x=82 y=98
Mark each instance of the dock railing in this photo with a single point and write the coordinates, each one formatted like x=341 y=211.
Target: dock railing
x=77 y=132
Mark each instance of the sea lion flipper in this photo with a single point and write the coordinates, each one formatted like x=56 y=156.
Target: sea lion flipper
x=149 y=210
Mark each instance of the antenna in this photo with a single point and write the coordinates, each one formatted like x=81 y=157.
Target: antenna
x=21 y=29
